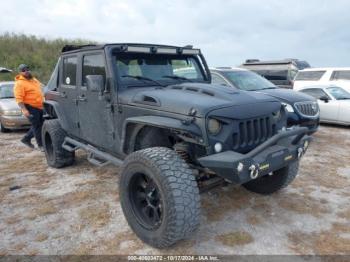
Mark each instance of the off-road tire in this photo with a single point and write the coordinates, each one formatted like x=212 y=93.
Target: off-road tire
x=3 y=129
x=53 y=137
x=281 y=178
x=177 y=188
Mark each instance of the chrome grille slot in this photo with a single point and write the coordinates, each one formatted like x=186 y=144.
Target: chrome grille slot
x=307 y=108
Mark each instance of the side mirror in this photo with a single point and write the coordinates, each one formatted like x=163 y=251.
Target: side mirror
x=95 y=83
x=324 y=99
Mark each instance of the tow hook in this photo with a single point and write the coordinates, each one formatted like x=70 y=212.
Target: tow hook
x=254 y=172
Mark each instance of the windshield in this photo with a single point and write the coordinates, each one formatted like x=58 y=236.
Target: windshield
x=248 y=81
x=338 y=93
x=6 y=91
x=134 y=68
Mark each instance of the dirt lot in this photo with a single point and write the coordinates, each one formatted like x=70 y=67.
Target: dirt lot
x=75 y=210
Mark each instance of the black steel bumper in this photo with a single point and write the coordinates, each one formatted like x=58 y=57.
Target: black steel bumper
x=275 y=153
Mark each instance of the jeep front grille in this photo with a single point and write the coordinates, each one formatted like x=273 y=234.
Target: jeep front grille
x=252 y=132
x=307 y=108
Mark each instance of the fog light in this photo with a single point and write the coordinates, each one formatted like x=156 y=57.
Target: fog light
x=240 y=167
x=218 y=147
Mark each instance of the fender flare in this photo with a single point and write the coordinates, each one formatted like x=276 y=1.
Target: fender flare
x=140 y=122
x=57 y=113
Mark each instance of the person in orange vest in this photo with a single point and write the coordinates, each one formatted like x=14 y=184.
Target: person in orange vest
x=29 y=97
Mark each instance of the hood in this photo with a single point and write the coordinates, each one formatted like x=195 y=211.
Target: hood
x=184 y=97
x=289 y=96
x=9 y=104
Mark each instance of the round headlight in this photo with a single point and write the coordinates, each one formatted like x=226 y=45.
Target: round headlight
x=214 y=126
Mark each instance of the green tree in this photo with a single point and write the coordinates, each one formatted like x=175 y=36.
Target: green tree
x=39 y=54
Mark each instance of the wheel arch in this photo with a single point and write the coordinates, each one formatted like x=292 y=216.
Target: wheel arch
x=54 y=111
x=135 y=126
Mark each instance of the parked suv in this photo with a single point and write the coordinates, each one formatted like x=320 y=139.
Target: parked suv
x=279 y=72
x=334 y=76
x=174 y=136
x=302 y=109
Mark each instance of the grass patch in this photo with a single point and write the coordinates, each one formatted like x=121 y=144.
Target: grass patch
x=111 y=246
x=302 y=204
x=28 y=164
x=96 y=216
x=235 y=238
x=75 y=198
x=41 y=238
x=328 y=242
x=218 y=202
x=44 y=210
x=12 y=220
x=345 y=214
x=20 y=231
x=254 y=220
x=19 y=247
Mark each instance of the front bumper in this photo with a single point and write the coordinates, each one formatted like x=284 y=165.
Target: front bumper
x=15 y=122
x=275 y=153
x=296 y=120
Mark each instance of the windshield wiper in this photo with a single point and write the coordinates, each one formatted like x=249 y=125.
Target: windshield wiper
x=144 y=78
x=270 y=87
x=178 y=77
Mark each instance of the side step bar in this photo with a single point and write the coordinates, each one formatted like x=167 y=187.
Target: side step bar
x=95 y=156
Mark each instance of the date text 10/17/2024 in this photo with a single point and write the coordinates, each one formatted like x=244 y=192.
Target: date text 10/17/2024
x=172 y=258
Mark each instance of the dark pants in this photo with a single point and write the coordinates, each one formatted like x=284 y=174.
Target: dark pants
x=36 y=120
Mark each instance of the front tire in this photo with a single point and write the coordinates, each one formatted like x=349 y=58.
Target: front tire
x=159 y=196
x=281 y=178
x=53 y=137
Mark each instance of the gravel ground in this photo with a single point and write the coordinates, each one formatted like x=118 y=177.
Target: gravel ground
x=76 y=210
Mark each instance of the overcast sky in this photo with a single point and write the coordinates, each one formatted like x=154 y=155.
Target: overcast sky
x=228 y=32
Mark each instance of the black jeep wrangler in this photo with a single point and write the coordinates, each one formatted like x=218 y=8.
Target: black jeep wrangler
x=130 y=105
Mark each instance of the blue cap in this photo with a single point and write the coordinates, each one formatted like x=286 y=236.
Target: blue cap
x=23 y=67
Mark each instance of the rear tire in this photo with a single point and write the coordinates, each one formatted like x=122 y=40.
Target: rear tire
x=53 y=137
x=159 y=196
x=281 y=178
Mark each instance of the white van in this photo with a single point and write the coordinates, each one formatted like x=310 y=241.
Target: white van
x=338 y=76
